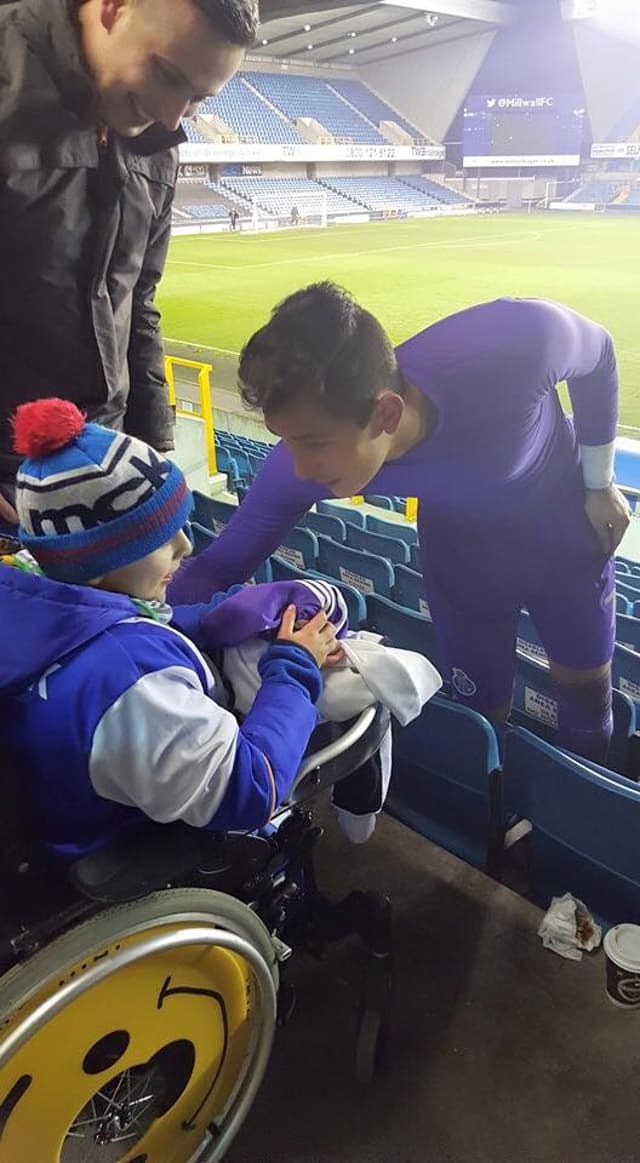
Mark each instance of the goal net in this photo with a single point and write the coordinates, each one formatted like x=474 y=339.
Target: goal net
x=285 y=209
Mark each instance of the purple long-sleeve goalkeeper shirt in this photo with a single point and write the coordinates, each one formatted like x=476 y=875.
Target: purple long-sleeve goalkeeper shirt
x=498 y=479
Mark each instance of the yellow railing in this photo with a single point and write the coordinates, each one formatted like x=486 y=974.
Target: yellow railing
x=411 y=508
x=411 y=511
x=204 y=371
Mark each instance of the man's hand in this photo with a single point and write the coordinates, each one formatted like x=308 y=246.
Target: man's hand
x=7 y=512
x=609 y=514
x=318 y=636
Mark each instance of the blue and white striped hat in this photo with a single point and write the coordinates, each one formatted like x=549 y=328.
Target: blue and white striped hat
x=91 y=500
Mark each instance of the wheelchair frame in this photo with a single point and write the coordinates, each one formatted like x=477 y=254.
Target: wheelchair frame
x=258 y=897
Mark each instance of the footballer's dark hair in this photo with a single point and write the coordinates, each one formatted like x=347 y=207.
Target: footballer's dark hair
x=320 y=345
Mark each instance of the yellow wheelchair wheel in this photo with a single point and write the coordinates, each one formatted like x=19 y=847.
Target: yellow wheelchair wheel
x=140 y=1036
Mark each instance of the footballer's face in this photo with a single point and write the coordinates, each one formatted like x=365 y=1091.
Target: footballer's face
x=340 y=454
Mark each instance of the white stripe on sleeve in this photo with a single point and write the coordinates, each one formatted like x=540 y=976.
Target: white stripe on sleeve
x=165 y=747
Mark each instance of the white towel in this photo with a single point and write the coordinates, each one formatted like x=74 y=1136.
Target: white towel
x=401 y=680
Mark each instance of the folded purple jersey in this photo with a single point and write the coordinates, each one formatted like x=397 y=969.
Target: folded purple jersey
x=257 y=609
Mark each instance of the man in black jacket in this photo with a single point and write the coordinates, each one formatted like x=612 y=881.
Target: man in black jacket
x=91 y=97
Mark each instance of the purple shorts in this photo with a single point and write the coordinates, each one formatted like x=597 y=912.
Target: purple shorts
x=573 y=612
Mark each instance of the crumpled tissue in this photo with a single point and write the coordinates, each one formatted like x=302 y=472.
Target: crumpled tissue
x=568 y=928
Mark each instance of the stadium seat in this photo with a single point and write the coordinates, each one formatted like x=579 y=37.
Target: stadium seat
x=535 y=707
x=378 y=502
x=202 y=538
x=392 y=548
x=347 y=513
x=584 y=837
x=528 y=640
x=409 y=590
x=366 y=573
x=333 y=527
x=628 y=631
x=414 y=557
x=624 y=606
x=446 y=781
x=372 y=106
x=404 y=628
x=300 y=548
x=211 y=513
x=626 y=673
x=392 y=528
x=629 y=589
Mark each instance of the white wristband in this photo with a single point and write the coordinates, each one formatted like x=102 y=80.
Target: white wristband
x=597 y=465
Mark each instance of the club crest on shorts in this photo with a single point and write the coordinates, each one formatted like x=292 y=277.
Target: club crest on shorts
x=462 y=683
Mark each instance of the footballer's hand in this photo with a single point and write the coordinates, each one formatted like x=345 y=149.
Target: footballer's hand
x=609 y=515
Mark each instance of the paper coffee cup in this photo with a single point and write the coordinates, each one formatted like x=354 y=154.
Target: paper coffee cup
x=622 y=951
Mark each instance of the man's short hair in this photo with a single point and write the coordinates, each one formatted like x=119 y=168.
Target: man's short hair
x=236 y=21
x=322 y=346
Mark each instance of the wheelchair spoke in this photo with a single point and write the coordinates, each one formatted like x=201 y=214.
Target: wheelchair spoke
x=119 y=1112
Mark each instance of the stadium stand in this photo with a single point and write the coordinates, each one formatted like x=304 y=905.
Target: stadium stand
x=192 y=134
x=435 y=190
x=297 y=97
x=279 y=195
x=381 y=193
x=598 y=192
x=373 y=107
x=249 y=116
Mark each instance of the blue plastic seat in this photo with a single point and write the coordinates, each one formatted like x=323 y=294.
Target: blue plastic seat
x=446 y=781
x=409 y=590
x=404 y=628
x=414 y=557
x=347 y=513
x=366 y=573
x=378 y=501
x=528 y=640
x=535 y=707
x=300 y=548
x=392 y=548
x=211 y=513
x=333 y=527
x=392 y=529
x=624 y=606
x=626 y=673
x=585 y=831
x=628 y=631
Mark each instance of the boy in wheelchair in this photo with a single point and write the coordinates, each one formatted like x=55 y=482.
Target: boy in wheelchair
x=113 y=711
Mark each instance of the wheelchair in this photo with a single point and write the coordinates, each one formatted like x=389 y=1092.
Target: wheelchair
x=140 y=989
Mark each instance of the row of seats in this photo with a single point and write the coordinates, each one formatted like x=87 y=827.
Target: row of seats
x=249 y=116
x=372 y=106
x=265 y=106
x=449 y=783
x=337 y=196
x=597 y=191
x=384 y=193
x=297 y=97
x=279 y=195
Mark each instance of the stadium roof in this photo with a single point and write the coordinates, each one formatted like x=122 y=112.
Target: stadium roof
x=335 y=33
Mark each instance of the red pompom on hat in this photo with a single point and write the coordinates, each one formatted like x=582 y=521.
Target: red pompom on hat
x=45 y=426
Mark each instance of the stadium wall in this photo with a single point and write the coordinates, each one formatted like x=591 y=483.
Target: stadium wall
x=429 y=85
x=611 y=76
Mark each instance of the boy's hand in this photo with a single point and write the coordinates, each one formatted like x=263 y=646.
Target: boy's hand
x=318 y=636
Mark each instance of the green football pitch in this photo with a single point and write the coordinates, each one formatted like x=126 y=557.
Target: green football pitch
x=219 y=288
